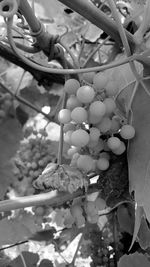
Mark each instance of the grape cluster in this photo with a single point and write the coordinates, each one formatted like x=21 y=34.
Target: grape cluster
x=34 y=153
x=92 y=127
x=6 y=104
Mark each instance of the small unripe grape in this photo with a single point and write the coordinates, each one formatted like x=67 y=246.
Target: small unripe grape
x=102 y=164
x=94 y=134
x=76 y=210
x=64 y=116
x=120 y=150
x=79 y=115
x=111 y=88
x=69 y=127
x=127 y=131
x=115 y=125
x=88 y=77
x=100 y=80
x=100 y=204
x=71 y=86
x=105 y=155
x=67 y=137
x=90 y=208
x=85 y=163
x=2 y=114
x=113 y=143
x=39 y=211
x=97 y=108
x=71 y=151
x=73 y=102
x=94 y=119
x=110 y=105
x=104 y=125
x=85 y=94
x=80 y=221
x=80 y=138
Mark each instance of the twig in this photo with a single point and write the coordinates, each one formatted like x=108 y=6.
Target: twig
x=27 y=103
x=14 y=245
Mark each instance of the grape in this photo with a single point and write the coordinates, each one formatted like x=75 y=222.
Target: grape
x=94 y=134
x=97 y=108
x=39 y=211
x=105 y=155
x=73 y=102
x=71 y=86
x=127 y=131
x=67 y=137
x=80 y=221
x=71 y=151
x=80 y=138
x=102 y=164
x=104 y=125
x=93 y=219
x=100 y=204
x=69 y=126
x=88 y=77
x=64 y=116
x=111 y=88
x=115 y=124
x=2 y=113
x=100 y=80
x=110 y=105
x=85 y=94
x=85 y=163
x=90 y=208
x=113 y=143
x=76 y=210
x=79 y=115
x=120 y=150
x=94 y=119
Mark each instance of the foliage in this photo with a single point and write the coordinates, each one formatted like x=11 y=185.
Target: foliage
x=74 y=132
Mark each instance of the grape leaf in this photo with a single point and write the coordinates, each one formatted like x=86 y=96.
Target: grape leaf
x=15 y=230
x=133 y=260
x=139 y=213
x=139 y=149
x=144 y=234
x=30 y=259
x=10 y=135
x=46 y=263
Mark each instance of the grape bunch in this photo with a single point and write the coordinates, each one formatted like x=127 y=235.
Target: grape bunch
x=92 y=127
x=6 y=104
x=34 y=153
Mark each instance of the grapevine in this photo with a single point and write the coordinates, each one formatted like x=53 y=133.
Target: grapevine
x=86 y=183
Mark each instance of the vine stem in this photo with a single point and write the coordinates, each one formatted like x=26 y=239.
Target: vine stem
x=46 y=67
x=25 y=102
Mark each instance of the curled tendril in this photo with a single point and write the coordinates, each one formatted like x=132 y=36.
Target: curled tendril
x=8 y=8
x=66 y=31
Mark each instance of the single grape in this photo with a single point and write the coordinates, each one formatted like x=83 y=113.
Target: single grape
x=90 y=208
x=110 y=105
x=71 y=86
x=100 y=80
x=39 y=211
x=69 y=127
x=102 y=164
x=100 y=204
x=94 y=119
x=127 y=131
x=76 y=210
x=120 y=150
x=71 y=151
x=79 y=115
x=80 y=138
x=67 y=137
x=97 y=108
x=105 y=125
x=80 y=221
x=93 y=219
x=2 y=114
x=88 y=77
x=105 y=155
x=94 y=134
x=115 y=124
x=113 y=143
x=85 y=94
x=73 y=102
x=64 y=116
x=85 y=163
x=111 y=88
